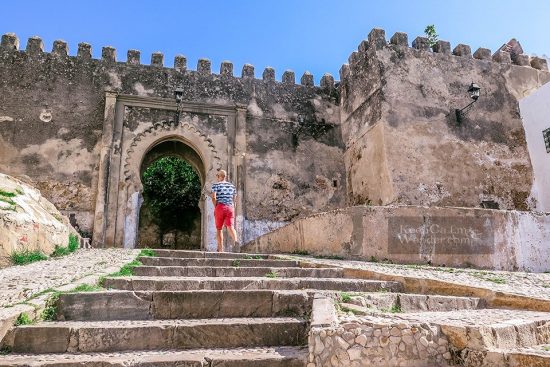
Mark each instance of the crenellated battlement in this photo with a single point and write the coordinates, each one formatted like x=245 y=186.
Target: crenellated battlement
x=377 y=40
x=35 y=47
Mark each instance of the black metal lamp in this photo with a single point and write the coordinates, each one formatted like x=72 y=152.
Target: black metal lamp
x=473 y=90
x=178 y=95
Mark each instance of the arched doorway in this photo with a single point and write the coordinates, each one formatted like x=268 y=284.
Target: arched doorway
x=164 y=139
x=172 y=175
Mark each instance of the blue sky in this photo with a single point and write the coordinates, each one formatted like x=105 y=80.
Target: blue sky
x=314 y=35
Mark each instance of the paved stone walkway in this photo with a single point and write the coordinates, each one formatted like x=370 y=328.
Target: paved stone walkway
x=535 y=285
x=18 y=283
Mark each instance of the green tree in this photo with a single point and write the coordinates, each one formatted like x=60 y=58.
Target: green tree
x=172 y=189
x=431 y=34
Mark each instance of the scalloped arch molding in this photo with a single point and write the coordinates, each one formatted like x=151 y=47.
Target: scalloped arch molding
x=160 y=132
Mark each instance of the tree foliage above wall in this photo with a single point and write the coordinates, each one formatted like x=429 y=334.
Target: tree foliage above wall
x=172 y=190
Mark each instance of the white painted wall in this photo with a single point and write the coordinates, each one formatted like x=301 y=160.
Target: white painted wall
x=535 y=112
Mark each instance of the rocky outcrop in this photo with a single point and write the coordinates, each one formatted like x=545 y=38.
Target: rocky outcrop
x=28 y=221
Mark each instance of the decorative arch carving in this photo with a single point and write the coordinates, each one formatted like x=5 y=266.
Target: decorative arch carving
x=164 y=131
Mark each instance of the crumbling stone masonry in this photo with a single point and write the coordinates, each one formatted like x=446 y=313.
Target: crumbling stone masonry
x=83 y=130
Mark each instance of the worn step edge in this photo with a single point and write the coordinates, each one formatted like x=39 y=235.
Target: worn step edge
x=228 y=271
x=111 y=336
x=136 y=283
x=162 y=261
x=206 y=254
x=245 y=357
x=129 y=305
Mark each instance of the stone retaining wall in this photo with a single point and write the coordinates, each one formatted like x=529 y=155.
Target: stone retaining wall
x=491 y=239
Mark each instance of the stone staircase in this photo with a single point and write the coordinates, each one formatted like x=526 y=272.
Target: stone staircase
x=186 y=308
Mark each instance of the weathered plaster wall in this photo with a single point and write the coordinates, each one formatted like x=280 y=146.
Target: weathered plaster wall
x=58 y=129
x=403 y=143
x=535 y=112
x=493 y=239
x=30 y=223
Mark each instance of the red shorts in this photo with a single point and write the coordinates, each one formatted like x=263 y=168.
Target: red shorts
x=223 y=215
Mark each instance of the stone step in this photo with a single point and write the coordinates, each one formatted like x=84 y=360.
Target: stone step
x=239 y=357
x=113 y=336
x=176 y=261
x=208 y=255
x=137 y=283
x=482 y=329
x=125 y=305
x=248 y=271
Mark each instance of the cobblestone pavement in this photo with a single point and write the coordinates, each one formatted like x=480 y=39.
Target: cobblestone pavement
x=18 y=283
x=535 y=285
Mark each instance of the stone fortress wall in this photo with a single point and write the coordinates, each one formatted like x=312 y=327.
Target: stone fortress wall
x=79 y=128
x=404 y=144
x=69 y=124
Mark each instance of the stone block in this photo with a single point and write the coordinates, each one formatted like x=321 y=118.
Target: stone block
x=462 y=50
x=327 y=81
x=180 y=63
x=445 y=303
x=35 y=46
x=53 y=339
x=482 y=54
x=521 y=59
x=400 y=39
x=421 y=43
x=363 y=46
x=157 y=59
x=204 y=67
x=307 y=79
x=377 y=38
x=10 y=41
x=269 y=74
x=60 y=48
x=123 y=336
x=84 y=51
x=108 y=54
x=353 y=57
x=323 y=313
x=289 y=77
x=413 y=302
x=502 y=57
x=344 y=71
x=248 y=71
x=202 y=305
x=539 y=63
x=291 y=303
x=442 y=47
x=104 y=306
x=133 y=57
x=226 y=68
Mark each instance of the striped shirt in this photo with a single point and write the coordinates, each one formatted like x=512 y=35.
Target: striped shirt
x=224 y=192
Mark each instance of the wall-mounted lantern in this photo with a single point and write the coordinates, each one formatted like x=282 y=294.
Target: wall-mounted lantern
x=473 y=91
x=178 y=95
